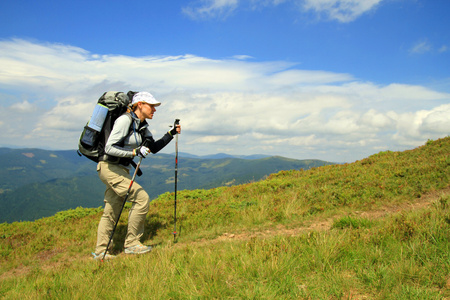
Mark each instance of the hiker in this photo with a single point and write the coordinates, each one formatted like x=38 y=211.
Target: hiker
x=113 y=169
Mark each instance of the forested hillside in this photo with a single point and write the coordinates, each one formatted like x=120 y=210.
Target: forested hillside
x=36 y=183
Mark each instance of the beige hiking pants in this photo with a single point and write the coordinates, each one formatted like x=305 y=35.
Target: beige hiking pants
x=117 y=180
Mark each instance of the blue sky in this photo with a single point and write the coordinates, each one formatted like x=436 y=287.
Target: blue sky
x=337 y=80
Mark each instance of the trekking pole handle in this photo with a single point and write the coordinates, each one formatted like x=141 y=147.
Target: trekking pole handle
x=174 y=127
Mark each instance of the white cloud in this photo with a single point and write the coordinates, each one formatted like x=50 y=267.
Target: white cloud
x=243 y=106
x=242 y=57
x=443 y=49
x=341 y=10
x=436 y=121
x=23 y=107
x=421 y=47
x=424 y=46
x=373 y=121
x=338 y=10
x=205 y=9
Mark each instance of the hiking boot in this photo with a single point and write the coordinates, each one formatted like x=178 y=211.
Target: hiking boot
x=100 y=256
x=138 y=249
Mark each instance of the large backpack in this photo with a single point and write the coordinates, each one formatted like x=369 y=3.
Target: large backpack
x=93 y=139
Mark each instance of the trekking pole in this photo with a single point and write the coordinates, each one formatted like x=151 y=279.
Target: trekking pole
x=123 y=205
x=177 y=121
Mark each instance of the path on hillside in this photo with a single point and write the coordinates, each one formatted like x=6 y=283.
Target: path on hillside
x=321 y=224
x=315 y=225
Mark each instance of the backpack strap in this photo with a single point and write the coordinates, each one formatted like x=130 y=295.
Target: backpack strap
x=133 y=127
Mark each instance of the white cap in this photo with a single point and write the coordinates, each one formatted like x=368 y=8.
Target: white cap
x=145 y=97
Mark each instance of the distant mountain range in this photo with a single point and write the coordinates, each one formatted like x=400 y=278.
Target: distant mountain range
x=222 y=155
x=36 y=183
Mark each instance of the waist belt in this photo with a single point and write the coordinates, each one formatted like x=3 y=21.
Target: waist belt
x=124 y=161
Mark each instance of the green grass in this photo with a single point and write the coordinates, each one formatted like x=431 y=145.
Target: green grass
x=257 y=241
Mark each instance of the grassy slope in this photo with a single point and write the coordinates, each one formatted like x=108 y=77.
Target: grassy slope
x=260 y=240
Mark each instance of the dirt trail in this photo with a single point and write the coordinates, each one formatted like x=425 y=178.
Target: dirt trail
x=316 y=225
x=320 y=224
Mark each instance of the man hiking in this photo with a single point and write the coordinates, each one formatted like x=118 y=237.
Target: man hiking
x=130 y=137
